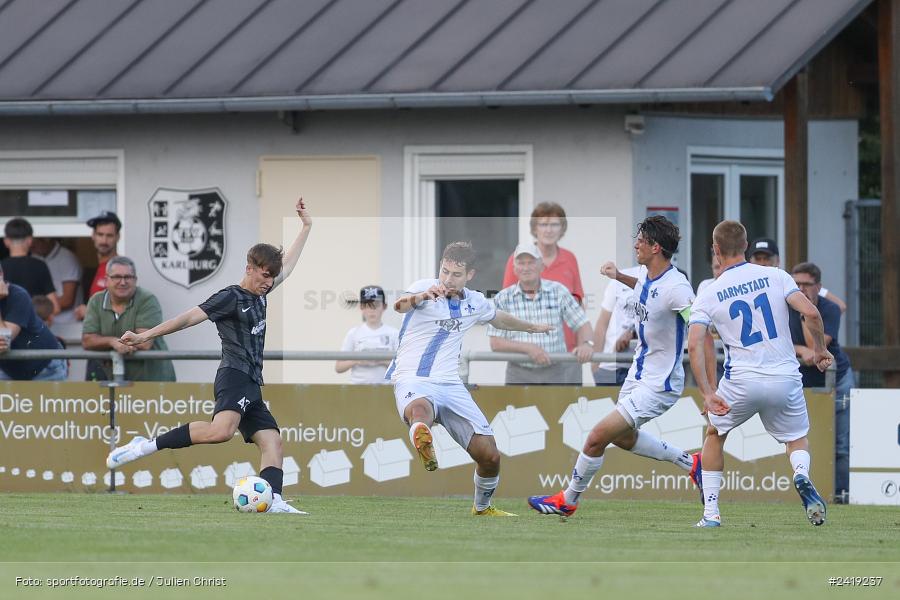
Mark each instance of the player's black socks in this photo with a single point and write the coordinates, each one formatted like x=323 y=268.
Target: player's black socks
x=274 y=476
x=180 y=437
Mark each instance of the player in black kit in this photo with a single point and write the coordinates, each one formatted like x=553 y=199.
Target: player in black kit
x=239 y=312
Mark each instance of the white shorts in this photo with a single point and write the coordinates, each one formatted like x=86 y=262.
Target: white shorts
x=778 y=401
x=639 y=404
x=453 y=407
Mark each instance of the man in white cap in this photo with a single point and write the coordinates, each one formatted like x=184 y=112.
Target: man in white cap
x=539 y=300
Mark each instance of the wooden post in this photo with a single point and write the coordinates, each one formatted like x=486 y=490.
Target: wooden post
x=796 y=184
x=889 y=97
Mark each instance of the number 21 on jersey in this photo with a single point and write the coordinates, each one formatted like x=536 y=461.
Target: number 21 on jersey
x=739 y=308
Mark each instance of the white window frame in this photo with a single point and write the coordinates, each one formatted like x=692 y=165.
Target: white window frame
x=52 y=227
x=425 y=165
x=732 y=162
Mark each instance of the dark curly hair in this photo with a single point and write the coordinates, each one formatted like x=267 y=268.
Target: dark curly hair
x=659 y=230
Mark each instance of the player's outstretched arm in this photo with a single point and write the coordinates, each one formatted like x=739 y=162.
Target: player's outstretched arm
x=697 y=351
x=292 y=256
x=610 y=270
x=813 y=321
x=188 y=318
x=504 y=320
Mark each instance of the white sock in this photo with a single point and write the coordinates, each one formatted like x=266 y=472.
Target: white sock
x=799 y=461
x=276 y=498
x=584 y=470
x=484 y=490
x=712 y=482
x=412 y=428
x=148 y=447
x=649 y=446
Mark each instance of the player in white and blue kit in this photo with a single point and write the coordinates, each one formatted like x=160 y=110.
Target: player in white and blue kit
x=425 y=372
x=662 y=298
x=748 y=305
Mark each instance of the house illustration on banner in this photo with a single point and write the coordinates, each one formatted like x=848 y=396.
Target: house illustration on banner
x=203 y=476
x=580 y=417
x=67 y=477
x=449 y=454
x=171 y=478
x=236 y=471
x=87 y=479
x=47 y=475
x=682 y=425
x=120 y=478
x=750 y=441
x=329 y=468
x=291 y=471
x=142 y=479
x=386 y=460
x=519 y=430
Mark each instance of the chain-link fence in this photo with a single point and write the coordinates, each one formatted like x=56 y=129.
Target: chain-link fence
x=864 y=318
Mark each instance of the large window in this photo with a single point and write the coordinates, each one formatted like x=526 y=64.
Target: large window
x=480 y=194
x=58 y=191
x=485 y=212
x=747 y=186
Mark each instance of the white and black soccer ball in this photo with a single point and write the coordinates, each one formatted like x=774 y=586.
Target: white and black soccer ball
x=252 y=494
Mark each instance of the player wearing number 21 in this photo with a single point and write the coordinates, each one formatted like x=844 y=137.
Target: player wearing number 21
x=748 y=306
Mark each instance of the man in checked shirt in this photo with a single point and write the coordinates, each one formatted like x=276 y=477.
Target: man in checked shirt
x=538 y=300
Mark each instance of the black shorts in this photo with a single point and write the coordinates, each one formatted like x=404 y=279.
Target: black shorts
x=235 y=390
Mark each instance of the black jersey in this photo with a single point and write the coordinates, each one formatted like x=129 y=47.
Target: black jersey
x=240 y=318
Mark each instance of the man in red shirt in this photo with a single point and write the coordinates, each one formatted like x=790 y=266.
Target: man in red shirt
x=105 y=236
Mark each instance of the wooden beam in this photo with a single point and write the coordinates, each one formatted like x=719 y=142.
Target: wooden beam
x=873 y=358
x=889 y=98
x=796 y=184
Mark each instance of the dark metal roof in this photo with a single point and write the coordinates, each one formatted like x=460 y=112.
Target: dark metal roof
x=82 y=56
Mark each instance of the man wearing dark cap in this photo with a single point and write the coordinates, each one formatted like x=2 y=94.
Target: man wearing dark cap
x=105 y=236
x=764 y=251
x=371 y=335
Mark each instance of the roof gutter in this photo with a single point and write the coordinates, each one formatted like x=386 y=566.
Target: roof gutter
x=380 y=101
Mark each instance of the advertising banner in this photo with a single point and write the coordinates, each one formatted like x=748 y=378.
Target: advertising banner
x=875 y=447
x=349 y=440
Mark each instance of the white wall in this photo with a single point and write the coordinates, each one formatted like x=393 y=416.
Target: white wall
x=660 y=161
x=582 y=159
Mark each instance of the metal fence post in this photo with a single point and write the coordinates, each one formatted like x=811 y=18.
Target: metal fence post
x=464 y=367
x=118 y=380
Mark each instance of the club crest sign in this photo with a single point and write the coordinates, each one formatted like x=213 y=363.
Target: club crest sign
x=187 y=234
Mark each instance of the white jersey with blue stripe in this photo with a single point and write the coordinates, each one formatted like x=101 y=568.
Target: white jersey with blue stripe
x=748 y=306
x=661 y=330
x=431 y=335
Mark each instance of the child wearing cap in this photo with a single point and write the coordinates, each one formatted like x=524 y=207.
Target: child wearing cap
x=371 y=335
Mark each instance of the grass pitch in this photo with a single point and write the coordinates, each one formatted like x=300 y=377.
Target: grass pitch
x=184 y=546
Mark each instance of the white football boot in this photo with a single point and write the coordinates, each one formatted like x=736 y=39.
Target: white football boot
x=125 y=454
x=280 y=506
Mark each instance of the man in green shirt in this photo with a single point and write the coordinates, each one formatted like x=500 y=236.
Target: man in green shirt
x=124 y=307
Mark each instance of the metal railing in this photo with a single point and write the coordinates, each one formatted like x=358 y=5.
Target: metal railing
x=118 y=360
x=118 y=366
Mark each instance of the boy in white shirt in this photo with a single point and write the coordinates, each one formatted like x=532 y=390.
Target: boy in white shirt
x=372 y=335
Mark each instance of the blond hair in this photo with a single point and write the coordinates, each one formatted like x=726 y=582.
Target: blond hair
x=731 y=238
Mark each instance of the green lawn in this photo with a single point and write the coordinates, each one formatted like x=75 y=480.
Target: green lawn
x=384 y=547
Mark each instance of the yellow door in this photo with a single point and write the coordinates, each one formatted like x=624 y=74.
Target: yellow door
x=341 y=255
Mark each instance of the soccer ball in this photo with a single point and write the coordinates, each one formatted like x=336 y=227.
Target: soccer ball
x=252 y=494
